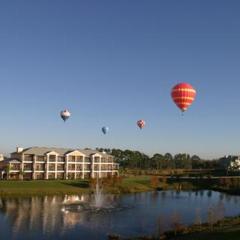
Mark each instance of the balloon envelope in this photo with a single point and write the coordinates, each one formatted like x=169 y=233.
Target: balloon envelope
x=183 y=94
x=141 y=123
x=65 y=114
x=105 y=129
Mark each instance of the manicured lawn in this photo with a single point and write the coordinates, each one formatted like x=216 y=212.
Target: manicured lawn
x=50 y=187
x=42 y=187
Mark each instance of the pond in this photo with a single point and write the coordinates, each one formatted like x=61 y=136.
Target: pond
x=63 y=217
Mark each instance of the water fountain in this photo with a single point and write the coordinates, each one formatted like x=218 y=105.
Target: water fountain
x=98 y=197
x=96 y=202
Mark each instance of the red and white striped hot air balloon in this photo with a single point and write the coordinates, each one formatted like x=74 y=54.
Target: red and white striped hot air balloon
x=141 y=123
x=183 y=94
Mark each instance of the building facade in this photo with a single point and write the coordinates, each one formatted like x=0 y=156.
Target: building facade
x=57 y=163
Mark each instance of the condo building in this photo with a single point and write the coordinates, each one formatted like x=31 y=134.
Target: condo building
x=57 y=163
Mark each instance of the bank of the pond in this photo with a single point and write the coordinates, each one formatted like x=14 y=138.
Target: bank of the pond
x=130 y=184
x=228 y=228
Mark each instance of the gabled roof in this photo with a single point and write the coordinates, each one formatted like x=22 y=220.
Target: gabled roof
x=11 y=160
x=61 y=151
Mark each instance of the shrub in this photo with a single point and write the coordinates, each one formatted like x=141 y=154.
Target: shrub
x=154 y=182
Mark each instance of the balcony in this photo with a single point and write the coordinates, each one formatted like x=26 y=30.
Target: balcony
x=28 y=158
x=15 y=167
x=79 y=159
x=41 y=158
x=52 y=158
x=61 y=159
x=60 y=168
x=27 y=167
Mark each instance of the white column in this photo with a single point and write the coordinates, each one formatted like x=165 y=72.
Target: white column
x=100 y=167
x=66 y=167
x=47 y=166
x=92 y=167
x=22 y=165
x=34 y=167
x=112 y=168
x=83 y=167
x=75 y=168
x=56 y=161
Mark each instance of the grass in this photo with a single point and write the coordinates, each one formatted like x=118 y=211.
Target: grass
x=228 y=228
x=130 y=184
x=43 y=187
x=59 y=187
x=135 y=184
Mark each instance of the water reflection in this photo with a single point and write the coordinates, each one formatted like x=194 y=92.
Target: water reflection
x=145 y=213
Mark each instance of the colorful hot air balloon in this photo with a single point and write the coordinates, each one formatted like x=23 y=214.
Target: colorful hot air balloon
x=141 y=123
x=183 y=94
x=105 y=130
x=65 y=114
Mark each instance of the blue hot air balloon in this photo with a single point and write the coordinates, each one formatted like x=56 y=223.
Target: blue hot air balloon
x=105 y=130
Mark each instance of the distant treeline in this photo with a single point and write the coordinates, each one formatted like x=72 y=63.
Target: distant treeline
x=138 y=160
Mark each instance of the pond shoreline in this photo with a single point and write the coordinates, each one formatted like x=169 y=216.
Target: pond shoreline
x=227 y=228
x=133 y=184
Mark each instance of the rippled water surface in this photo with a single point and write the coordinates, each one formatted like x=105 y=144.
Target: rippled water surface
x=59 y=217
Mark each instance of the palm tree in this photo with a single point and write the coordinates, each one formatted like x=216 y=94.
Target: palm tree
x=8 y=170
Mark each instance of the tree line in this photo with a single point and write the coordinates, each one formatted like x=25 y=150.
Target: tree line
x=137 y=160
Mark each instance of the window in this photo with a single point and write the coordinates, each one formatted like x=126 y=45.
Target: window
x=52 y=158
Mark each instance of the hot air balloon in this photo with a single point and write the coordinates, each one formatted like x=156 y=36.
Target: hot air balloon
x=105 y=130
x=65 y=114
x=183 y=94
x=141 y=123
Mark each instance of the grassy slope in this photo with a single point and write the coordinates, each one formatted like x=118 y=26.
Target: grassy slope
x=231 y=234
x=228 y=230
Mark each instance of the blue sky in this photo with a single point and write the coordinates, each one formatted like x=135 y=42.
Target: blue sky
x=114 y=62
